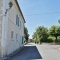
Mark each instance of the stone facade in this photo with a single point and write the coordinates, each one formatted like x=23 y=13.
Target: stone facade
x=1 y=18
x=11 y=35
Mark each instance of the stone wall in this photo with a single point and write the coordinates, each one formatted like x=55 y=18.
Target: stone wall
x=14 y=44
x=1 y=11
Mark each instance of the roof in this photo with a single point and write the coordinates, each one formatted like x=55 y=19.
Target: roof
x=20 y=10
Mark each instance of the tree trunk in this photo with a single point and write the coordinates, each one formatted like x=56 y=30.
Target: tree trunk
x=56 y=39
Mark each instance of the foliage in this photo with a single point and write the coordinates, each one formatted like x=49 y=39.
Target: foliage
x=50 y=39
x=26 y=34
x=54 y=31
x=59 y=21
x=41 y=34
x=58 y=38
x=35 y=38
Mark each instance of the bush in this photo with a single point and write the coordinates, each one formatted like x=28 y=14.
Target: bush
x=58 y=38
x=43 y=40
x=50 y=39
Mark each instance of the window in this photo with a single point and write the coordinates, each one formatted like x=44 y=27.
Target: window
x=22 y=39
x=12 y=34
x=17 y=20
x=16 y=36
x=20 y=24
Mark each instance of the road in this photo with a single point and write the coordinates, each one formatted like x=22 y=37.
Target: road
x=49 y=52
x=32 y=51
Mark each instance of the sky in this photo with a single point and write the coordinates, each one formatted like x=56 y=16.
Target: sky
x=40 y=13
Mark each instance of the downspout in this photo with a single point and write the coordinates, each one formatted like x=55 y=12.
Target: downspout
x=4 y=30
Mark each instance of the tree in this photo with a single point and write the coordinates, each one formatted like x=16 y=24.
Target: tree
x=34 y=37
x=59 y=21
x=55 y=31
x=41 y=34
x=26 y=34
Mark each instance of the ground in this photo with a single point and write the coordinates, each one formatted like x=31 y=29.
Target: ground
x=49 y=52
x=29 y=52
x=33 y=51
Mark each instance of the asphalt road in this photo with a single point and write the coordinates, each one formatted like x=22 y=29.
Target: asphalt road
x=32 y=51
x=48 y=52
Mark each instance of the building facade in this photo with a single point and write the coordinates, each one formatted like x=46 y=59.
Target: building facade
x=11 y=27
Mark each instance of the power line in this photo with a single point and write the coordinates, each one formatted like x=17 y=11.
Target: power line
x=44 y=14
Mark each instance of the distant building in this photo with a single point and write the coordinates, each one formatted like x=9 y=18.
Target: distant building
x=11 y=27
x=29 y=40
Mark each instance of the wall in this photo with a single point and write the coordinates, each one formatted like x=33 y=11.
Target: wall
x=14 y=44
x=1 y=17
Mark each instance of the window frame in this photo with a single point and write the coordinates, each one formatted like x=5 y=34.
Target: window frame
x=17 y=21
x=16 y=36
x=12 y=34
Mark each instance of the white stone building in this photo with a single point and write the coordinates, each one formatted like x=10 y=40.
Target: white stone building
x=11 y=27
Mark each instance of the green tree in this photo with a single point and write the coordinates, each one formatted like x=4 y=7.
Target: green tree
x=59 y=21
x=34 y=37
x=26 y=34
x=54 y=31
x=41 y=34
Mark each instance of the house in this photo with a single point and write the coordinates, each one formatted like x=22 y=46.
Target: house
x=29 y=40
x=11 y=27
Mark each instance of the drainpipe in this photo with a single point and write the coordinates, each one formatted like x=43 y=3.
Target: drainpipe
x=6 y=8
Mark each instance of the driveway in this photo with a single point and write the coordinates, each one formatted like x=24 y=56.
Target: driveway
x=30 y=52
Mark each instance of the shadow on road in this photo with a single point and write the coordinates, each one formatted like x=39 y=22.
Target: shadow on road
x=28 y=53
